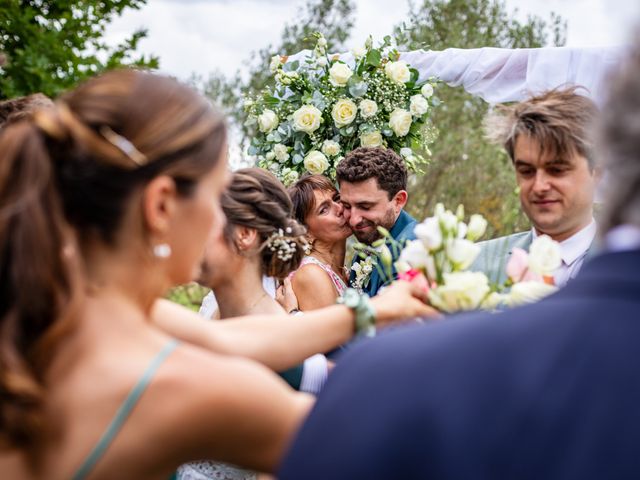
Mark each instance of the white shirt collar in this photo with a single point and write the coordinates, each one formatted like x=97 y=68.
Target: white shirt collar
x=576 y=245
x=623 y=237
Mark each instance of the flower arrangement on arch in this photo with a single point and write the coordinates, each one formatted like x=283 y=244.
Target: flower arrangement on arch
x=322 y=107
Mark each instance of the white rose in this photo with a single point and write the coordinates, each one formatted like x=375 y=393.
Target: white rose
x=316 y=162
x=476 y=228
x=322 y=61
x=528 y=292
x=289 y=176
x=274 y=168
x=368 y=108
x=270 y=156
x=344 y=112
x=307 y=119
x=544 y=256
x=359 y=52
x=267 y=121
x=400 y=122
x=339 y=74
x=371 y=139
x=397 y=72
x=275 y=63
x=330 y=148
x=429 y=233
x=460 y=291
x=426 y=90
x=418 y=106
x=281 y=152
x=462 y=253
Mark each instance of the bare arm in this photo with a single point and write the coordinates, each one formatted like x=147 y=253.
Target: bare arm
x=282 y=341
x=313 y=288
x=229 y=409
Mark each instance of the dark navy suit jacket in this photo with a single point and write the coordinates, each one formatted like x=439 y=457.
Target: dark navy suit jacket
x=402 y=230
x=547 y=391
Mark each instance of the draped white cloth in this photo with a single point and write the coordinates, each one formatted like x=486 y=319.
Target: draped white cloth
x=504 y=75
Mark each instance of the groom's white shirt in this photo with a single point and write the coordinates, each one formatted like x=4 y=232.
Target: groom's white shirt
x=573 y=251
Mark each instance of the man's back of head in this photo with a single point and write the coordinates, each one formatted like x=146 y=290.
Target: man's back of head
x=620 y=146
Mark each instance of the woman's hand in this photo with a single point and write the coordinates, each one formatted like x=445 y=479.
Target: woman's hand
x=286 y=297
x=402 y=300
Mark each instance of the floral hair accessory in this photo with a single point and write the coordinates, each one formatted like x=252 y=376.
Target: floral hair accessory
x=281 y=243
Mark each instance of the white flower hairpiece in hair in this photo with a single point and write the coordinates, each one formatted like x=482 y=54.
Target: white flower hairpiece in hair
x=281 y=243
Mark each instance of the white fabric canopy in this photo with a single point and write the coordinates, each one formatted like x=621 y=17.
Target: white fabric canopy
x=504 y=75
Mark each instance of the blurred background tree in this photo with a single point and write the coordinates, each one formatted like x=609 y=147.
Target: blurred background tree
x=464 y=168
x=49 y=46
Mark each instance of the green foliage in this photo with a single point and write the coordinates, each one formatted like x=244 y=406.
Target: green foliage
x=464 y=168
x=49 y=46
x=334 y=18
x=189 y=295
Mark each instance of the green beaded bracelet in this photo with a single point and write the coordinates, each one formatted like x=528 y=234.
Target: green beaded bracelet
x=365 y=313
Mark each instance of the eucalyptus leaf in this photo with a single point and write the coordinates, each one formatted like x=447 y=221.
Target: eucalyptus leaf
x=297 y=158
x=358 y=89
x=374 y=57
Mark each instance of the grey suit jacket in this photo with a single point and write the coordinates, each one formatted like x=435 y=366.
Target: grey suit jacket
x=493 y=258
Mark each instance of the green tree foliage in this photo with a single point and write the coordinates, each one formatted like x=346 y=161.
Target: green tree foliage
x=334 y=18
x=50 y=45
x=464 y=167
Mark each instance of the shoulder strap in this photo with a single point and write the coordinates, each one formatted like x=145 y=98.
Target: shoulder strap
x=124 y=411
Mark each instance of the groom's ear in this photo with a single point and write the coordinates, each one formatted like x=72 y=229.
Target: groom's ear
x=400 y=200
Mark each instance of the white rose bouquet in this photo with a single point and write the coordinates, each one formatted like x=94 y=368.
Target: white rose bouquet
x=323 y=107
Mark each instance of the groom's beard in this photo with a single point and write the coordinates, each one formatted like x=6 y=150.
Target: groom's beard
x=371 y=234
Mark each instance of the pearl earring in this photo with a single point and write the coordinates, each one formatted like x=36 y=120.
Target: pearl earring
x=162 y=250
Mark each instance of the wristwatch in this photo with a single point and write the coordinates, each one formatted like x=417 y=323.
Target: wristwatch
x=365 y=322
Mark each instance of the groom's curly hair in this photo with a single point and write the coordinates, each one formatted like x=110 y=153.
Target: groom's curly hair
x=380 y=163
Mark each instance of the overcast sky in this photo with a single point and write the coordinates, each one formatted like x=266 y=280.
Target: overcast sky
x=199 y=36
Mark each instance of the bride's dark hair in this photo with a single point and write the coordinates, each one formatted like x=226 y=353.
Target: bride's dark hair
x=67 y=177
x=257 y=199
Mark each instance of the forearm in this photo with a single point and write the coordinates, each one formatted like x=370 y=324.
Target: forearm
x=281 y=341
x=277 y=341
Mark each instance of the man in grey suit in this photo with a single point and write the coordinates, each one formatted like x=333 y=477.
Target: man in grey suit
x=548 y=139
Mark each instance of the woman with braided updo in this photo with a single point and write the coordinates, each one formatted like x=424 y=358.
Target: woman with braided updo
x=260 y=241
x=106 y=200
